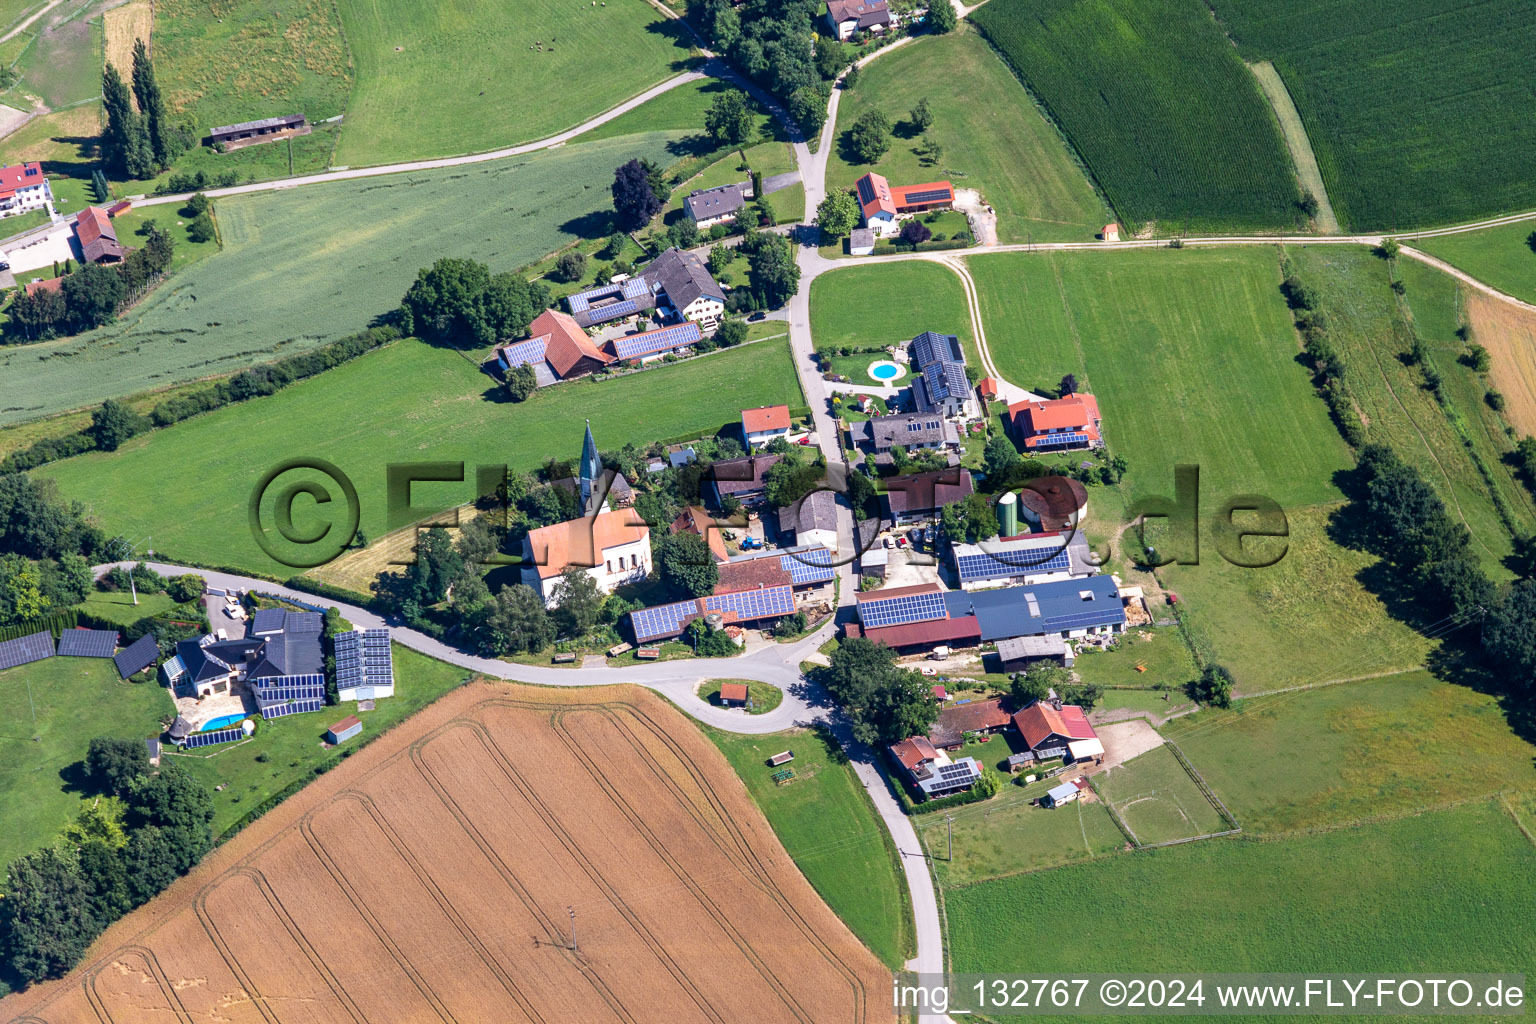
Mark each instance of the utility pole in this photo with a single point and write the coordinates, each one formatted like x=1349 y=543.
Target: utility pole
x=133 y=589
x=574 y=948
x=949 y=822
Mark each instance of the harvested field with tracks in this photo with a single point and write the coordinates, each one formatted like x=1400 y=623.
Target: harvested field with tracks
x=428 y=878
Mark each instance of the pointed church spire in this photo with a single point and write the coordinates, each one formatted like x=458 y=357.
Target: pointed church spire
x=591 y=471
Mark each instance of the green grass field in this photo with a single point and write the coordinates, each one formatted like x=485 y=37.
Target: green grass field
x=994 y=137
x=1395 y=897
x=64 y=142
x=119 y=607
x=61 y=66
x=888 y=304
x=443 y=79
x=679 y=109
x=829 y=827
x=1413 y=110
x=303 y=267
x=1501 y=257
x=1158 y=104
x=1180 y=348
x=406 y=403
x=1164 y=654
x=293 y=745
x=49 y=713
x=1342 y=753
x=1157 y=799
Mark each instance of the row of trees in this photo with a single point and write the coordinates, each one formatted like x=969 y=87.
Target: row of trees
x=142 y=831
x=94 y=294
x=139 y=141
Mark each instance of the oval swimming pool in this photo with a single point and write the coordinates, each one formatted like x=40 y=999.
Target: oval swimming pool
x=222 y=723
x=884 y=371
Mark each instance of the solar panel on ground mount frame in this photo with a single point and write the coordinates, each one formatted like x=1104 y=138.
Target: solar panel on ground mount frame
x=88 y=643
x=929 y=196
x=293 y=707
x=27 y=649
x=662 y=620
x=208 y=739
x=997 y=564
x=899 y=611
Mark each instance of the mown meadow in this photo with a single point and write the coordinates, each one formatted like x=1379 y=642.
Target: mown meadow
x=913 y=297
x=1169 y=122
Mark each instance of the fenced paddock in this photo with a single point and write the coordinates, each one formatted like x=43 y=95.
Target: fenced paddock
x=1158 y=799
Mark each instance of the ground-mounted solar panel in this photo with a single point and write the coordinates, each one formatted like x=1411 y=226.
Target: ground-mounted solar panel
x=88 y=643
x=292 y=707
x=137 y=656
x=26 y=649
x=899 y=611
x=209 y=739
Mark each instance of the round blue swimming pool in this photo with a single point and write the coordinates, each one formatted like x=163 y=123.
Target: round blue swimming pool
x=222 y=723
x=885 y=371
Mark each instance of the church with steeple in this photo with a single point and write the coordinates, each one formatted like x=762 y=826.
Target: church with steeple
x=610 y=540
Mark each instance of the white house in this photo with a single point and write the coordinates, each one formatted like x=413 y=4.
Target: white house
x=613 y=547
x=691 y=292
x=849 y=17
x=812 y=520
x=943 y=387
x=23 y=188
x=761 y=425
x=719 y=205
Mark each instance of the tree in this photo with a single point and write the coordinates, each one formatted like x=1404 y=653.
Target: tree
x=838 y=213
x=775 y=274
x=1388 y=249
x=437 y=564
x=809 y=109
x=37 y=316
x=47 y=916
x=100 y=821
x=507 y=305
x=613 y=248
x=1477 y=358
x=929 y=151
x=633 y=198
x=941 y=17
x=113 y=764
x=684 y=234
x=443 y=303
x=709 y=643
x=728 y=119
x=720 y=257
x=91 y=296
x=164 y=142
x=514 y=620
x=578 y=601
x=1307 y=204
x=21 y=593
x=199 y=204
x=571 y=265
x=870 y=136
x=687 y=565
x=521 y=382
x=999 y=456
x=1214 y=687
x=125 y=144
x=920 y=118
x=851 y=77
x=68 y=580
x=201 y=229
x=1509 y=634
x=150 y=862
x=1068 y=386
x=915 y=232
x=104 y=874
x=886 y=703
x=184 y=588
x=114 y=423
x=179 y=805
x=1037 y=684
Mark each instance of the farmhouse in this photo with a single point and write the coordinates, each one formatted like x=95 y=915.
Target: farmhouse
x=696 y=520
x=613 y=301
x=23 y=187
x=741 y=478
x=649 y=346
x=943 y=389
x=847 y=18
x=882 y=203
x=1057 y=424
x=556 y=348
x=752 y=588
x=97 y=237
x=912 y=618
x=977 y=716
x=1052 y=729
x=1054 y=502
x=719 y=205
x=267 y=129
x=1031 y=558
x=931 y=771
x=918 y=496
x=812 y=520
x=909 y=430
x=279 y=662
x=690 y=291
x=761 y=425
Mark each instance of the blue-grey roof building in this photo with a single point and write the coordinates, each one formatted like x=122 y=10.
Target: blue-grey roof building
x=1069 y=608
x=943 y=387
x=613 y=301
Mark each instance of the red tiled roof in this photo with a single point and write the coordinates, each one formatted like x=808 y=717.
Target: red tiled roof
x=51 y=284
x=13 y=178
x=733 y=691
x=1040 y=721
x=932 y=632
x=751 y=574
x=913 y=752
x=988 y=387
x=767 y=417
x=696 y=519
x=566 y=344
x=1075 y=412
x=900 y=193
x=93 y=223
x=345 y=724
x=583 y=541
x=879 y=192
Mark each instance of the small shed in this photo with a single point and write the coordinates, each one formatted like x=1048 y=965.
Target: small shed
x=153 y=745
x=861 y=242
x=1016 y=762
x=1020 y=653
x=179 y=730
x=874 y=562
x=1062 y=794
x=1111 y=232
x=783 y=757
x=648 y=653
x=344 y=730
x=733 y=695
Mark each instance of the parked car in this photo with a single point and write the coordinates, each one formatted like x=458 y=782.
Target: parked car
x=888 y=542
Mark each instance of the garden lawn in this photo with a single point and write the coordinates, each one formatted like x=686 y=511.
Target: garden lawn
x=294 y=748
x=888 y=304
x=63 y=142
x=119 y=607
x=828 y=825
x=1006 y=835
x=61 y=66
x=1180 y=347
x=1164 y=654
x=679 y=109
x=995 y=138
x=1413 y=109
x=49 y=712
x=408 y=402
x=1504 y=257
x=1157 y=799
x=1342 y=753
x=304 y=266
x=438 y=79
x=764 y=696
x=1158 y=104
x=1387 y=898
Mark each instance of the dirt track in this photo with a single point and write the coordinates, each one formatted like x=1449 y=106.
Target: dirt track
x=429 y=879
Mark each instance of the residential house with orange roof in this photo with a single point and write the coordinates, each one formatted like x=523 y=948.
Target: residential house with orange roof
x=930 y=771
x=761 y=425
x=696 y=519
x=557 y=348
x=97 y=237
x=1058 y=424
x=1053 y=729
x=882 y=203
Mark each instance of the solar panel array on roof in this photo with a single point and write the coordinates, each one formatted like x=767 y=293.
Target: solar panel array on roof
x=951 y=772
x=657 y=341
x=268 y=620
x=754 y=604
x=866 y=190
x=524 y=352
x=662 y=620
x=26 y=649
x=208 y=739
x=898 y=611
x=304 y=623
x=813 y=566
x=363 y=659
x=1059 y=440
x=634 y=288
x=1002 y=564
x=932 y=195
x=88 y=643
x=617 y=311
